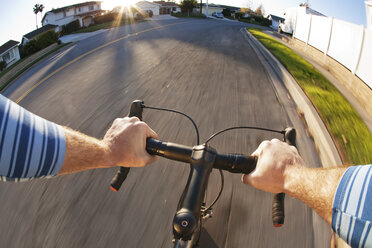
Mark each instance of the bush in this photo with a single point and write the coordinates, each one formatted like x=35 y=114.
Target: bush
x=239 y=15
x=138 y=16
x=110 y=17
x=226 y=12
x=70 y=27
x=40 y=42
x=2 y=65
x=262 y=20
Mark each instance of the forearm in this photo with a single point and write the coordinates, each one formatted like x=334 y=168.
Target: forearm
x=315 y=187
x=83 y=153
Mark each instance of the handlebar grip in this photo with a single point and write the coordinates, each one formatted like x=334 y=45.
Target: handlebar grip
x=278 y=201
x=122 y=173
x=278 y=210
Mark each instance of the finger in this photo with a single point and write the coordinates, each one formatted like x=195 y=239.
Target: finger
x=263 y=145
x=247 y=179
x=276 y=141
x=133 y=119
x=151 y=133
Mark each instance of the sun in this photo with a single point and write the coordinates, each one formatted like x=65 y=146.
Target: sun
x=110 y=4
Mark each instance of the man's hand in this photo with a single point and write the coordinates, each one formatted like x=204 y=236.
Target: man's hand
x=126 y=142
x=123 y=145
x=275 y=158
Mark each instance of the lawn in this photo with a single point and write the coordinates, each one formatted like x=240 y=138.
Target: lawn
x=106 y=25
x=29 y=65
x=350 y=133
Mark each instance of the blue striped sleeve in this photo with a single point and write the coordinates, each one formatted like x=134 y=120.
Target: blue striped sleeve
x=352 y=207
x=30 y=146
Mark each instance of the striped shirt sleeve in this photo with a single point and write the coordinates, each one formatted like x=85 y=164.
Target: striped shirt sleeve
x=352 y=207
x=30 y=146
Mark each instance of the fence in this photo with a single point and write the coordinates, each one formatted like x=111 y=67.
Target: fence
x=349 y=44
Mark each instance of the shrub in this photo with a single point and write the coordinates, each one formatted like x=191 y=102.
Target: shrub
x=2 y=65
x=239 y=15
x=138 y=16
x=70 y=27
x=226 y=12
x=110 y=17
x=39 y=43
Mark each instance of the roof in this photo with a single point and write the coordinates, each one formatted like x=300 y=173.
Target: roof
x=39 y=31
x=166 y=4
x=275 y=18
x=74 y=5
x=6 y=46
x=147 y=2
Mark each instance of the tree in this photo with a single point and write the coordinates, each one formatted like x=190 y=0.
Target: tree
x=188 y=5
x=41 y=8
x=36 y=10
x=260 y=10
x=226 y=12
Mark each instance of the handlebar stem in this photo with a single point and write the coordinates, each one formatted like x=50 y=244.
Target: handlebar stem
x=187 y=218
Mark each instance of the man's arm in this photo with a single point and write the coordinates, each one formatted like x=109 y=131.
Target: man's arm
x=341 y=196
x=32 y=147
x=281 y=169
x=123 y=145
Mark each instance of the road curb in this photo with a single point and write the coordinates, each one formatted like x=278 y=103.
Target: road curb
x=327 y=150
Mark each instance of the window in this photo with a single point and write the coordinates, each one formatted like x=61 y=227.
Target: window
x=91 y=7
x=79 y=9
x=6 y=57
x=64 y=13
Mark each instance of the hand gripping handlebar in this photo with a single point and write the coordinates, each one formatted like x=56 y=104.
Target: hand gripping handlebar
x=121 y=175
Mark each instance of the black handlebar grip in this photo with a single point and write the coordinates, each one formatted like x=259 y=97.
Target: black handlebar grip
x=121 y=175
x=278 y=201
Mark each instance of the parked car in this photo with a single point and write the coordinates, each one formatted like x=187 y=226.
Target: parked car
x=217 y=14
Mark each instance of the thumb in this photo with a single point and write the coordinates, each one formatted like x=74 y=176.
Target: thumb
x=247 y=179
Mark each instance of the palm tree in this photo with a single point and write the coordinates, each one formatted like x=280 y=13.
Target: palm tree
x=41 y=7
x=36 y=10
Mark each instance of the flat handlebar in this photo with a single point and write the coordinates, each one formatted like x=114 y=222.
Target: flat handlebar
x=234 y=163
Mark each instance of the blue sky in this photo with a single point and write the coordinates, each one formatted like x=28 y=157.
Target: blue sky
x=17 y=17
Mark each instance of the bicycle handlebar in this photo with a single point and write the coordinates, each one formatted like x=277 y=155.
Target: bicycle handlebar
x=234 y=163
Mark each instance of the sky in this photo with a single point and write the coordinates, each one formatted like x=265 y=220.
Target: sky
x=17 y=17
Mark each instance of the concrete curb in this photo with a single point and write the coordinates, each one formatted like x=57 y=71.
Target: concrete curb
x=328 y=153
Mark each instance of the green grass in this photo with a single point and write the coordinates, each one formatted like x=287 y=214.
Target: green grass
x=350 y=133
x=29 y=65
x=106 y=25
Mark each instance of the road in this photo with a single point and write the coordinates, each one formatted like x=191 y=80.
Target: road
x=205 y=68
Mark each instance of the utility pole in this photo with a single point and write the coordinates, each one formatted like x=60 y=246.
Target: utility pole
x=201 y=6
x=207 y=9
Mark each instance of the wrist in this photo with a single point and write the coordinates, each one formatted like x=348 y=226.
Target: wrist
x=292 y=178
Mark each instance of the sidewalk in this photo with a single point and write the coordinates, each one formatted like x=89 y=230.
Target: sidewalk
x=80 y=36
x=344 y=91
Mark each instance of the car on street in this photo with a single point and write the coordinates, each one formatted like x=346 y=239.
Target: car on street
x=217 y=14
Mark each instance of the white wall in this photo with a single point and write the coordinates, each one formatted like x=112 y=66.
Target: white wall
x=345 y=42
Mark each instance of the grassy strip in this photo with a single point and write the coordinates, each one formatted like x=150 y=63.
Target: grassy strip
x=107 y=25
x=29 y=65
x=350 y=133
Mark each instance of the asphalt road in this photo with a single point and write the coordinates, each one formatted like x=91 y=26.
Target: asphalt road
x=202 y=67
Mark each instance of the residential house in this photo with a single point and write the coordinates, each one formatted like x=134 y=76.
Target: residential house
x=369 y=13
x=275 y=21
x=211 y=8
x=27 y=37
x=9 y=52
x=146 y=7
x=143 y=7
x=168 y=7
x=84 y=12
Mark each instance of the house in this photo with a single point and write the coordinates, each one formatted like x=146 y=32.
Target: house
x=211 y=8
x=84 y=12
x=290 y=16
x=146 y=7
x=275 y=21
x=37 y=32
x=168 y=7
x=369 y=13
x=9 y=52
